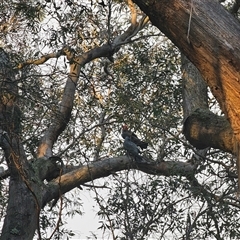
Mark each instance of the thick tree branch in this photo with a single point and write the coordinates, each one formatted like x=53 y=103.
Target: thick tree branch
x=23 y=206
x=62 y=117
x=208 y=46
x=205 y=129
x=104 y=168
x=209 y=36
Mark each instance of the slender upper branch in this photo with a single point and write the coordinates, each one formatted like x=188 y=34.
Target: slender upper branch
x=62 y=117
x=43 y=59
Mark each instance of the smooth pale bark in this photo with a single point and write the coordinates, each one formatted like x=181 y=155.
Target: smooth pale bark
x=62 y=117
x=209 y=36
x=106 y=167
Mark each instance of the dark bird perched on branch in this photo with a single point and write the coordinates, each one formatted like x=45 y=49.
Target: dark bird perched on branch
x=133 y=137
x=132 y=149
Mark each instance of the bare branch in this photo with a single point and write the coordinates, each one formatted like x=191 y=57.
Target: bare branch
x=104 y=168
x=129 y=33
x=41 y=60
x=132 y=30
x=63 y=115
x=133 y=13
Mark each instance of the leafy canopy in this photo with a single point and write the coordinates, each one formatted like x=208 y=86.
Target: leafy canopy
x=141 y=87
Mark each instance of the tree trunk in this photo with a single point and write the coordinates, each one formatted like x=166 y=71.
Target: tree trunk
x=194 y=97
x=194 y=88
x=22 y=210
x=209 y=36
x=22 y=215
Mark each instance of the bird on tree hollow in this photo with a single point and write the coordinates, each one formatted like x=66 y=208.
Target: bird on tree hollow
x=133 y=137
x=132 y=149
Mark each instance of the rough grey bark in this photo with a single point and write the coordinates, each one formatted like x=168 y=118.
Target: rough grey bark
x=194 y=97
x=194 y=88
x=201 y=127
x=21 y=217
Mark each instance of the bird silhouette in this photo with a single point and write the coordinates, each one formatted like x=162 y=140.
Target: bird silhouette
x=133 y=137
x=132 y=149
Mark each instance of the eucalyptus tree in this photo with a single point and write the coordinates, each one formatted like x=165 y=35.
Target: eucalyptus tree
x=72 y=72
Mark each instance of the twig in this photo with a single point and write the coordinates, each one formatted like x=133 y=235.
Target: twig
x=189 y=22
